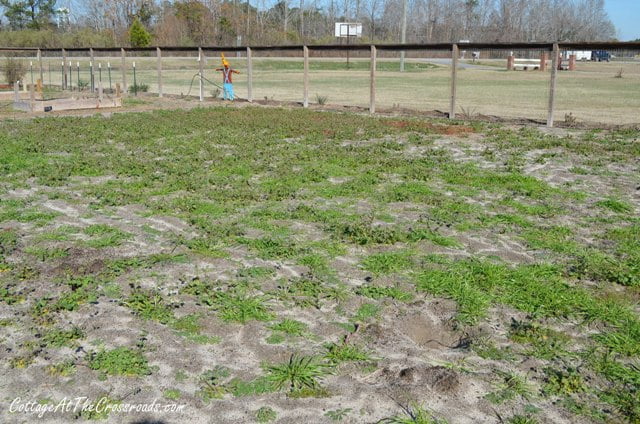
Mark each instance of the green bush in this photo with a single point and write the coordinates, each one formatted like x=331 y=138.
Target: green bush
x=138 y=88
x=138 y=35
x=14 y=70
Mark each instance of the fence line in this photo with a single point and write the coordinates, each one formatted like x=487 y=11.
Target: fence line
x=452 y=49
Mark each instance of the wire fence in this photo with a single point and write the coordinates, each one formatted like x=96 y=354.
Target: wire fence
x=579 y=82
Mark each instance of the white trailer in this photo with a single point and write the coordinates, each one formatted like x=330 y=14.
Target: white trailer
x=580 y=54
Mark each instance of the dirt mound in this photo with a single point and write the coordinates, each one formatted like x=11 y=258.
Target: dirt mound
x=427 y=331
x=438 y=378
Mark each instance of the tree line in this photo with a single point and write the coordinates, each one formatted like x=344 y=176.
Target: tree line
x=106 y=23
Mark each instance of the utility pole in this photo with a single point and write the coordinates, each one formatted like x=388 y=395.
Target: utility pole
x=403 y=35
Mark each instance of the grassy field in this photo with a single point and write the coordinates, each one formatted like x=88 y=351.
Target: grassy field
x=591 y=94
x=260 y=264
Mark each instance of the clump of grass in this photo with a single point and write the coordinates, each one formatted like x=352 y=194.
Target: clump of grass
x=105 y=236
x=59 y=337
x=239 y=307
x=290 y=327
x=387 y=262
x=119 y=361
x=47 y=253
x=510 y=386
x=149 y=305
x=366 y=311
x=546 y=342
x=310 y=292
x=172 y=394
x=522 y=419
x=345 y=352
x=379 y=292
x=615 y=205
x=266 y=414
x=300 y=372
x=321 y=100
x=414 y=414
x=564 y=383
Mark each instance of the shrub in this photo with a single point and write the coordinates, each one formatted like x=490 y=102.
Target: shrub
x=14 y=70
x=138 y=88
x=138 y=35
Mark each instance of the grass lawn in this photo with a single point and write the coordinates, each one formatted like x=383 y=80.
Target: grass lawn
x=262 y=264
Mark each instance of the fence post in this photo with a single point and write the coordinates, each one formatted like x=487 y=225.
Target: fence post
x=201 y=71
x=249 y=76
x=305 y=51
x=159 y=54
x=40 y=65
x=544 y=56
x=454 y=80
x=552 y=88
x=124 y=69
x=372 y=81
x=572 y=62
x=63 y=83
x=92 y=73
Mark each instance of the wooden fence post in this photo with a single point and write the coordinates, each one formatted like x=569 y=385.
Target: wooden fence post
x=372 y=81
x=249 y=76
x=40 y=65
x=63 y=83
x=454 y=80
x=124 y=69
x=92 y=76
x=305 y=101
x=159 y=54
x=552 y=88
x=201 y=72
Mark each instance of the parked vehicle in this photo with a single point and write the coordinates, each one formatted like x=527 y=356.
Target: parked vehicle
x=600 y=56
x=580 y=54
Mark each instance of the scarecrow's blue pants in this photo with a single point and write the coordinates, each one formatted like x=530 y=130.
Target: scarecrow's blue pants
x=228 y=91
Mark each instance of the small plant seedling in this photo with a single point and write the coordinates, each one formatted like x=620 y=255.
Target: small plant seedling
x=62 y=369
x=414 y=414
x=266 y=414
x=321 y=100
x=212 y=383
x=338 y=414
x=172 y=394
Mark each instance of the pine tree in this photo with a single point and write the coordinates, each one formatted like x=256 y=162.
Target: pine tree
x=32 y=14
x=138 y=35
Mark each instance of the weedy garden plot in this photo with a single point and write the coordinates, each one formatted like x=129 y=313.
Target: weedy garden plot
x=271 y=265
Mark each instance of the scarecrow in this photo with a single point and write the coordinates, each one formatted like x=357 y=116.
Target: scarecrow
x=227 y=84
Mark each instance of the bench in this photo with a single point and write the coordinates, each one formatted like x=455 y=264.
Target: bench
x=526 y=64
